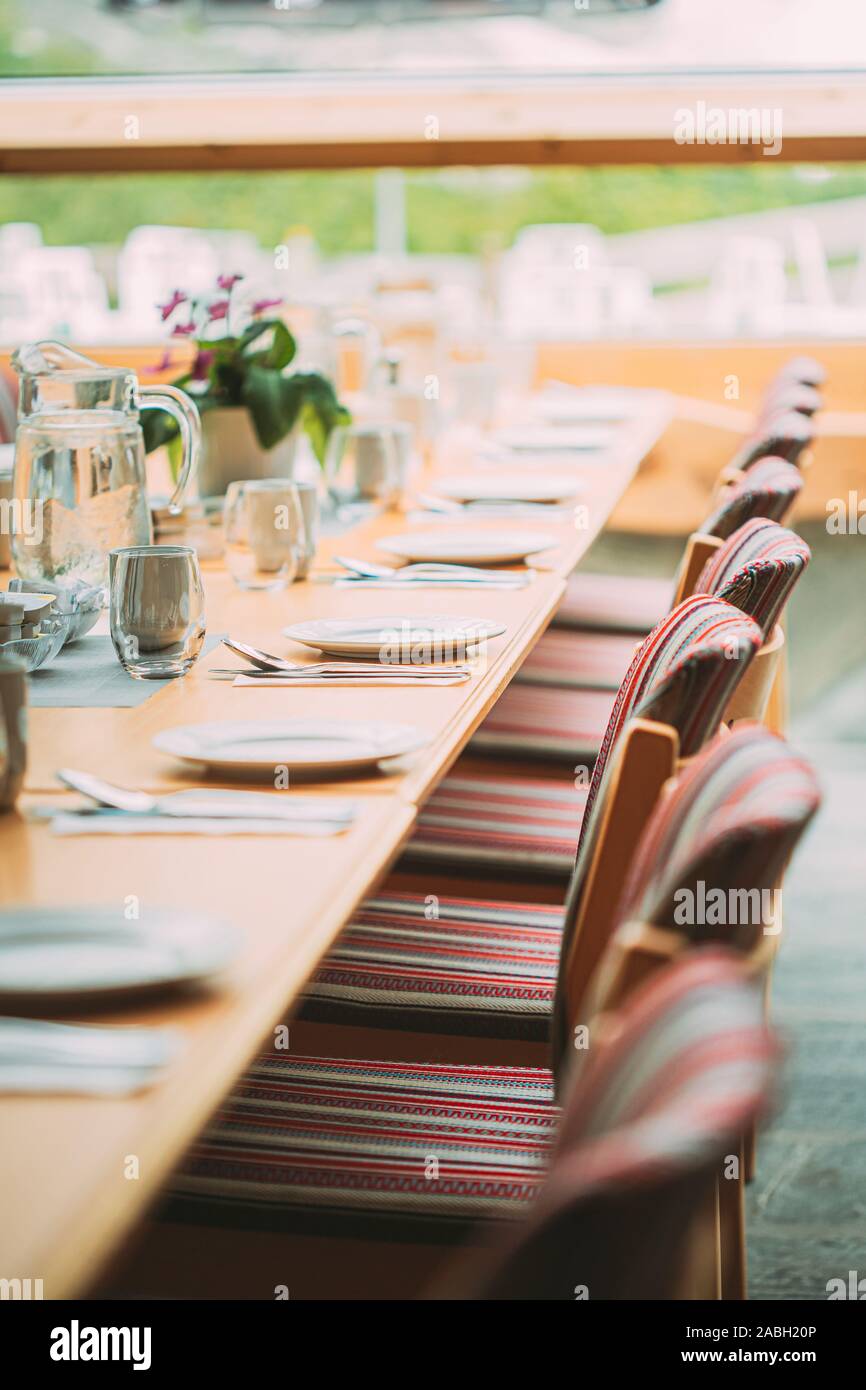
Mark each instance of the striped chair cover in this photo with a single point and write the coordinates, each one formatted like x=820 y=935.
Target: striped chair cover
x=783 y=435
x=769 y=488
x=546 y=721
x=620 y=603
x=790 y=395
x=500 y=820
x=593 y=660
x=613 y=602
x=756 y=569
x=690 y=656
x=800 y=370
x=438 y=1153
x=646 y=1125
x=490 y=967
x=303 y=1142
x=730 y=822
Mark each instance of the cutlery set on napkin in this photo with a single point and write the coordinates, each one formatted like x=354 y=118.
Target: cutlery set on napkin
x=364 y=574
x=266 y=669
x=71 y=1059
x=205 y=810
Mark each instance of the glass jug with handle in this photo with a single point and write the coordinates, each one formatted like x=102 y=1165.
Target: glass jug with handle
x=79 y=485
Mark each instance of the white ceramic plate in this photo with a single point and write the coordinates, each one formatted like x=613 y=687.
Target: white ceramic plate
x=423 y=637
x=542 y=439
x=465 y=546
x=326 y=745
x=60 y=952
x=587 y=405
x=515 y=487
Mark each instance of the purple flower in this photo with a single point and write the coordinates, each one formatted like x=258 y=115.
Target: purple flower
x=183 y=330
x=201 y=365
x=161 y=366
x=166 y=310
x=218 y=310
x=228 y=282
x=262 y=304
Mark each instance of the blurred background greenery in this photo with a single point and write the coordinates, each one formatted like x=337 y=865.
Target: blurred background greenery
x=453 y=211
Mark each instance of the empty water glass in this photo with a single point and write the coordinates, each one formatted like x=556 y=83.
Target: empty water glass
x=266 y=533
x=363 y=461
x=156 y=609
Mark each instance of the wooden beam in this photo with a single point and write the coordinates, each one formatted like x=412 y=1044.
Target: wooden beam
x=260 y=121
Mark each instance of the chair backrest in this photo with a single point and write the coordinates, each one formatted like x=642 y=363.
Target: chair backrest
x=682 y=677
x=805 y=370
x=650 y=1111
x=755 y=569
x=726 y=825
x=788 y=396
x=784 y=435
x=769 y=488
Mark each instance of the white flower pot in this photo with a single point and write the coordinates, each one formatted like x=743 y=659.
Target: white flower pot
x=230 y=451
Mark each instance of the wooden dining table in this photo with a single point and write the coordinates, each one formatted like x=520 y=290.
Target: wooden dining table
x=70 y=1192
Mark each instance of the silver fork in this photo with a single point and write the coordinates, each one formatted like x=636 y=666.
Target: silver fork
x=265 y=661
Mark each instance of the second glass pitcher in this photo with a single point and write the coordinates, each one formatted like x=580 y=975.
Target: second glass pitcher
x=79 y=485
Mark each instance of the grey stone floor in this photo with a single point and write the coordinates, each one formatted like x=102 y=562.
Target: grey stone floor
x=806 y=1210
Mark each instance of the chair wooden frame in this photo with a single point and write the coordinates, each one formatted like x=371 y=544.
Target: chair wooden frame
x=635 y=952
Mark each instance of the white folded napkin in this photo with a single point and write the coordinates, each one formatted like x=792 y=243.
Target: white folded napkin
x=125 y=823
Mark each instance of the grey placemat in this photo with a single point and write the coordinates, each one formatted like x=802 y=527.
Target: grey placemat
x=88 y=675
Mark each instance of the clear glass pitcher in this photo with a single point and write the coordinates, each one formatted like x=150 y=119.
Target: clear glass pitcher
x=79 y=484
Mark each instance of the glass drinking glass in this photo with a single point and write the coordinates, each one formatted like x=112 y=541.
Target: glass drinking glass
x=266 y=534
x=362 y=462
x=156 y=609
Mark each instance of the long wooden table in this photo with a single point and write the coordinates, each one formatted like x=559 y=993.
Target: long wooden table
x=66 y=1201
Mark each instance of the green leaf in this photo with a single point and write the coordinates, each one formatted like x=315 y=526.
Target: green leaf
x=274 y=402
x=280 y=351
x=321 y=413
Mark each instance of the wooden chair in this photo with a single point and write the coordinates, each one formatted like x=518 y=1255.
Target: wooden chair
x=548 y=712
x=472 y=973
x=604 y=1197
x=728 y=822
x=782 y=430
x=387 y=1162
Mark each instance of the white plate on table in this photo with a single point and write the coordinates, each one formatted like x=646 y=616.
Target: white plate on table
x=513 y=487
x=420 y=637
x=493 y=546
x=544 y=439
x=315 y=745
x=587 y=405
x=65 y=952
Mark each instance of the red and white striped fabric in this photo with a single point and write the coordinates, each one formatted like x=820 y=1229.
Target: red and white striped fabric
x=496 y=821
x=616 y=604
x=768 y=489
x=783 y=434
x=487 y=970
x=756 y=569
x=445 y=964
x=613 y=602
x=730 y=822
x=579 y=660
x=647 y=1123
x=502 y=820
x=546 y=721
x=336 y=1145
x=569 y=725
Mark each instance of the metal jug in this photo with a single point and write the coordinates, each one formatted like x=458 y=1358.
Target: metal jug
x=79 y=487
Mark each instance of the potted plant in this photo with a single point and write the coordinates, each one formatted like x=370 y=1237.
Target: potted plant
x=251 y=406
